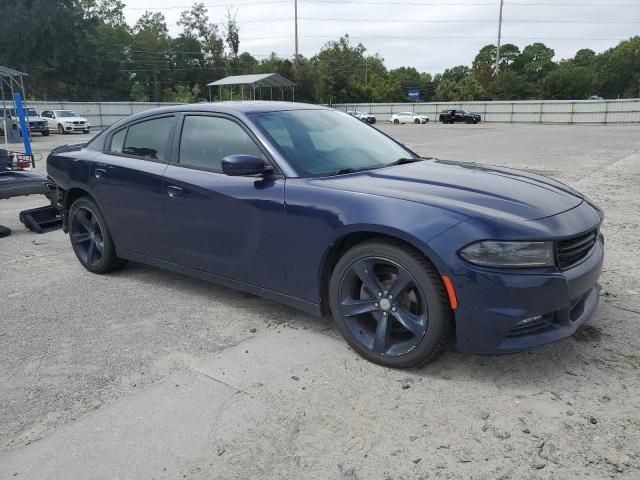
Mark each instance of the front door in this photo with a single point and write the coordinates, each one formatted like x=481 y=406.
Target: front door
x=228 y=226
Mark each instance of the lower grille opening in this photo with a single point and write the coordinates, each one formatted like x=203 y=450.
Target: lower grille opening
x=536 y=325
x=577 y=307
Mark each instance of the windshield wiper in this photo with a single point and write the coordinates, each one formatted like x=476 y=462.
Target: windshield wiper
x=344 y=171
x=402 y=161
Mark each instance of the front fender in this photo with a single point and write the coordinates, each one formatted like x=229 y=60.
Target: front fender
x=318 y=218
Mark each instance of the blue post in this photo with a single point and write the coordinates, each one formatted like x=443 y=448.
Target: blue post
x=24 y=128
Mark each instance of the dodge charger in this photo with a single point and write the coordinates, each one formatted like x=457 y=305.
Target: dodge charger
x=313 y=208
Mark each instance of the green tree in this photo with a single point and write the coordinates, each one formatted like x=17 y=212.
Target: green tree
x=510 y=85
x=534 y=63
x=137 y=93
x=568 y=82
x=150 y=52
x=619 y=70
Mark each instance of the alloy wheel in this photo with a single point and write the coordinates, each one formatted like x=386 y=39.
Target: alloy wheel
x=383 y=306
x=86 y=237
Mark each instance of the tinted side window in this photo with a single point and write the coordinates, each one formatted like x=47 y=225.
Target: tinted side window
x=149 y=139
x=117 y=141
x=205 y=141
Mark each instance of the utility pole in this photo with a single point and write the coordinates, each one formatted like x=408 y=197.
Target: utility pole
x=366 y=71
x=499 y=37
x=295 y=6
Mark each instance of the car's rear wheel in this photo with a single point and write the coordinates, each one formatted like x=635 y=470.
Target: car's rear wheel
x=45 y=133
x=390 y=305
x=90 y=238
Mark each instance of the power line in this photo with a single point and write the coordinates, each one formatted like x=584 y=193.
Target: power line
x=385 y=20
x=369 y=3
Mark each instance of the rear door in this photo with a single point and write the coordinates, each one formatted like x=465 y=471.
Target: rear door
x=228 y=226
x=127 y=183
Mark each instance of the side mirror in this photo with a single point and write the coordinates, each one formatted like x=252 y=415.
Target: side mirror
x=241 y=165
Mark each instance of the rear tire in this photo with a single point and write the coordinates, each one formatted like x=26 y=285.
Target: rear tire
x=45 y=133
x=408 y=321
x=90 y=238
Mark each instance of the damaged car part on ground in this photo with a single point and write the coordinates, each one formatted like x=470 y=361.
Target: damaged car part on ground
x=17 y=178
x=307 y=206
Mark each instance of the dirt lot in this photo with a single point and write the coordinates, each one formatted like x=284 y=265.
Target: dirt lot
x=149 y=374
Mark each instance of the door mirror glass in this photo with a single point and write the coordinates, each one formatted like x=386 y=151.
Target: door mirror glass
x=239 y=165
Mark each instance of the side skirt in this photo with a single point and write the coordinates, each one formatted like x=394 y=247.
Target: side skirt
x=312 y=308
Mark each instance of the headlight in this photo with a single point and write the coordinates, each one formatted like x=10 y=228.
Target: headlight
x=490 y=253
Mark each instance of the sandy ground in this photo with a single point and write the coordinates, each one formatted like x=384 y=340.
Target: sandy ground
x=149 y=374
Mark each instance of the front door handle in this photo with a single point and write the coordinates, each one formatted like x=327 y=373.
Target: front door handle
x=99 y=172
x=174 y=191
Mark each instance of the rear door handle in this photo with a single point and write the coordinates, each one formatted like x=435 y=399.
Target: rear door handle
x=99 y=172
x=174 y=191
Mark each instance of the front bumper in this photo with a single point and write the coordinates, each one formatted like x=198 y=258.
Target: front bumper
x=556 y=304
x=38 y=127
x=510 y=311
x=77 y=128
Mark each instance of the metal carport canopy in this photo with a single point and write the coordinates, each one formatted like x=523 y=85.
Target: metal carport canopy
x=255 y=81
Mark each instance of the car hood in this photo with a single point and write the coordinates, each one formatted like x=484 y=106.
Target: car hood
x=466 y=188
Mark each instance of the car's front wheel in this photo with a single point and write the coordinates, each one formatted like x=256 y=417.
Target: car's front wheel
x=416 y=121
x=61 y=129
x=45 y=133
x=90 y=238
x=390 y=305
x=396 y=121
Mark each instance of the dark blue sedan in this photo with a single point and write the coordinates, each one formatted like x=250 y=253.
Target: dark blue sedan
x=315 y=209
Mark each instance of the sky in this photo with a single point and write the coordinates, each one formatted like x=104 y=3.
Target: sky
x=430 y=35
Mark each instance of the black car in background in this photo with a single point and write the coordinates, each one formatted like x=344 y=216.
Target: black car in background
x=458 y=116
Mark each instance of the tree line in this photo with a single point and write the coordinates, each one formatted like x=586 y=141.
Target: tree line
x=85 y=50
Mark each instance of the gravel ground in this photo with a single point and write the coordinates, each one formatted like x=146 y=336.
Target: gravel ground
x=149 y=374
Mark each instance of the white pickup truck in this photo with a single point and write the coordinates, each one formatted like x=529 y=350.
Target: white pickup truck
x=35 y=121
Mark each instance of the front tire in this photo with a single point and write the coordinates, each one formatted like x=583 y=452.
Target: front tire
x=90 y=238
x=417 y=121
x=390 y=305
x=45 y=133
x=396 y=121
x=61 y=129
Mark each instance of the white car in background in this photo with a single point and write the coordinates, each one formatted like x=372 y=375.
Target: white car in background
x=363 y=117
x=408 y=117
x=66 y=121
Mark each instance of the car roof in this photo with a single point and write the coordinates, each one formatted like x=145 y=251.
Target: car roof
x=246 y=107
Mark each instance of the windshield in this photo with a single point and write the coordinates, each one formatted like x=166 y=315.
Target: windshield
x=65 y=113
x=326 y=142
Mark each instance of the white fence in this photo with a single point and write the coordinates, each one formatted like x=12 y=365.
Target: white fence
x=99 y=114
x=102 y=114
x=536 y=111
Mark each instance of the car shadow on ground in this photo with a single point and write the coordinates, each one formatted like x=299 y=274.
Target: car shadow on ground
x=574 y=358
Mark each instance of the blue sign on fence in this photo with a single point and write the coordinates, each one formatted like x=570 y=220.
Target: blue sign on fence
x=413 y=93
